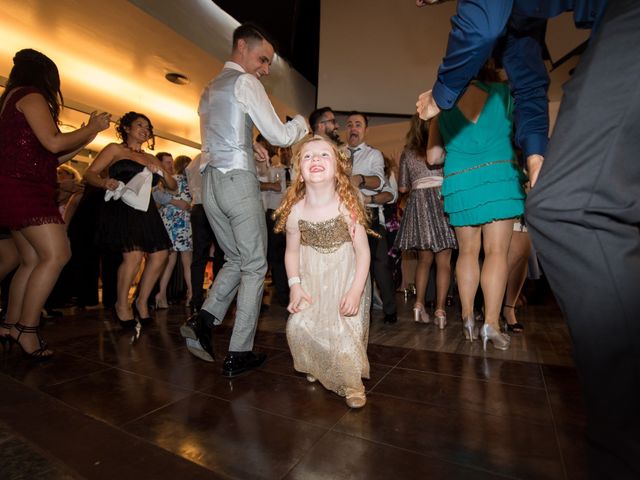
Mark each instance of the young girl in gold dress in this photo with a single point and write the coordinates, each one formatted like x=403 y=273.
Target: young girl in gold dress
x=327 y=262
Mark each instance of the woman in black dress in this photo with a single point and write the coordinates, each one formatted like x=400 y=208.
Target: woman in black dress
x=134 y=231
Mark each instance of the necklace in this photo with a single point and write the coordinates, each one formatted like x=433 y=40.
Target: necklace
x=138 y=150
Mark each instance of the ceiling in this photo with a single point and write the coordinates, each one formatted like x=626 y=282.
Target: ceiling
x=293 y=25
x=113 y=56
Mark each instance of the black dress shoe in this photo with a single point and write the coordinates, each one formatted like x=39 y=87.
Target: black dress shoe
x=390 y=318
x=236 y=363
x=198 y=337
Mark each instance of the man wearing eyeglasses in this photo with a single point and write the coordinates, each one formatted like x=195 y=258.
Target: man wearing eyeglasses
x=323 y=122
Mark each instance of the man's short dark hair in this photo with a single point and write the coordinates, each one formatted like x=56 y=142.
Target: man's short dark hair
x=316 y=116
x=355 y=112
x=250 y=31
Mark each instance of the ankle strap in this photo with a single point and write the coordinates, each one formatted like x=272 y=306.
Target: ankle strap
x=507 y=306
x=25 y=329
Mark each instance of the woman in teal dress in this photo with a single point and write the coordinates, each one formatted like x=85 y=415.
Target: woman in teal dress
x=482 y=194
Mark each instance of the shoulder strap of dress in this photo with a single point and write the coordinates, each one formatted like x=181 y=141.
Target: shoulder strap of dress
x=22 y=92
x=18 y=94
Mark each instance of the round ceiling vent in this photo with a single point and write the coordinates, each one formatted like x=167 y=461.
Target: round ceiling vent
x=177 y=78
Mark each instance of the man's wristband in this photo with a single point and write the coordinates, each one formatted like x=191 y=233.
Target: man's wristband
x=294 y=281
x=362 y=182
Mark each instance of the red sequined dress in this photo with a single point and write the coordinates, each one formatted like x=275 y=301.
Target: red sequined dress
x=27 y=171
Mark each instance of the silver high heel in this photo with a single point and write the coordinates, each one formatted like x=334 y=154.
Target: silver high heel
x=499 y=340
x=440 y=320
x=469 y=329
x=420 y=314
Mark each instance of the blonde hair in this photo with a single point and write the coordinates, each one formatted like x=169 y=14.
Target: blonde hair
x=348 y=194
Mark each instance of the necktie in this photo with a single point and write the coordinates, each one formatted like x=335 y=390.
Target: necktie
x=353 y=152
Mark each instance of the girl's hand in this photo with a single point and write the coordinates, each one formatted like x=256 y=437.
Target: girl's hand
x=296 y=298
x=350 y=303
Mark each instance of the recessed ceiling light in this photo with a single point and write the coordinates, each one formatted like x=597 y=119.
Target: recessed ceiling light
x=177 y=78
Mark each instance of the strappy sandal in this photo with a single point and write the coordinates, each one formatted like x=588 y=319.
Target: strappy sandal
x=513 y=327
x=39 y=354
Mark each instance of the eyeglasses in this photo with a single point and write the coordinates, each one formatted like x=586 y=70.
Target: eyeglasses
x=330 y=120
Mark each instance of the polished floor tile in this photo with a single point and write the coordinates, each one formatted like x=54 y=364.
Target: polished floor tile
x=340 y=457
x=62 y=367
x=116 y=404
x=115 y=396
x=292 y=397
x=479 y=367
x=492 y=398
x=228 y=438
x=488 y=442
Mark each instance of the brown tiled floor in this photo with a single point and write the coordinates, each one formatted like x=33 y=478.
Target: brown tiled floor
x=110 y=405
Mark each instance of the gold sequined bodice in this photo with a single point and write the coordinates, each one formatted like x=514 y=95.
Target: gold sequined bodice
x=326 y=236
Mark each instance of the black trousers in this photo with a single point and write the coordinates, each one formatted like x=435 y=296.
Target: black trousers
x=380 y=267
x=276 y=246
x=203 y=238
x=584 y=218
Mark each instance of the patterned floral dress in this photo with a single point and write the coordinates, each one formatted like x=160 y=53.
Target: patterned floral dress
x=177 y=221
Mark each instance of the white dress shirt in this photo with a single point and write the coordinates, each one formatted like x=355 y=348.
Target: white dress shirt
x=368 y=161
x=253 y=100
x=194 y=179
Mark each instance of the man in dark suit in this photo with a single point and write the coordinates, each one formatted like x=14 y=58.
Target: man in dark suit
x=584 y=209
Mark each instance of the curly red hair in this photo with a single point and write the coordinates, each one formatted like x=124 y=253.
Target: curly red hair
x=348 y=194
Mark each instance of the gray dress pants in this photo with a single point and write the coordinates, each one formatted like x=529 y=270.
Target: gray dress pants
x=234 y=209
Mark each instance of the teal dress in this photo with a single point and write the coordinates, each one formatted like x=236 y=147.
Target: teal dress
x=482 y=181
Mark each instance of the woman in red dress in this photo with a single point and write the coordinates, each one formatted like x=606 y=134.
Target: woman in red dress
x=31 y=148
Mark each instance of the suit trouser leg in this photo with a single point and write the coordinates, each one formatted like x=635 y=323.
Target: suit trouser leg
x=234 y=209
x=275 y=256
x=202 y=239
x=380 y=269
x=584 y=214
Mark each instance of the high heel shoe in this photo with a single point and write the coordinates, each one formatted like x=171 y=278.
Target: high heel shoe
x=440 y=318
x=420 y=314
x=125 y=324
x=469 y=329
x=39 y=354
x=136 y=314
x=499 y=340
x=160 y=304
x=511 y=327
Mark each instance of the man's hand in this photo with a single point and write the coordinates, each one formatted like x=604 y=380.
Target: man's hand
x=426 y=106
x=260 y=152
x=534 y=164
